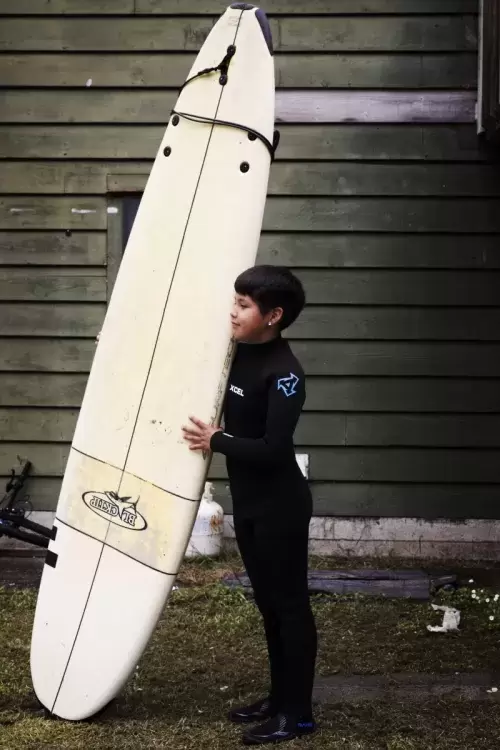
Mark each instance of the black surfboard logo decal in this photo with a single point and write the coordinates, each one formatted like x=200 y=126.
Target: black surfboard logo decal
x=122 y=511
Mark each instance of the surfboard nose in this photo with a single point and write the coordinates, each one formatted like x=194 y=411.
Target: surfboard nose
x=261 y=18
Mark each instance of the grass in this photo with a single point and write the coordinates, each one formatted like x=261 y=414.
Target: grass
x=208 y=653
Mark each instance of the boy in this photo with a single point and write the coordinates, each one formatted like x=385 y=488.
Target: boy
x=272 y=503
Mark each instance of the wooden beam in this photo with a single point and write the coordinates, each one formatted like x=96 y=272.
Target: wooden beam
x=399 y=358
x=383 y=499
x=17 y=212
x=38 y=425
x=397 y=323
x=340 y=214
x=413 y=395
x=415 y=33
x=363 y=250
x=386 y=430
x=325 y=358
x=413 y=430
x=287 y=178
x=410 y=142
x=46 y=355
x=346 y=464
x=52 y=285
x=48 y=459
x=365 y=394
x=335 y=70
x=381 y=106
x=52 y=248
x=43 y=491
x=216 y=7
x=42 y=389
x=347 y=498
x=87 y=178
x=333 y=464
x=441 y=288
x=382 y=215
x=305 y=106
x=53 y=319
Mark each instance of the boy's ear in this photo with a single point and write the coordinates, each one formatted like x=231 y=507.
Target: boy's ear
x=277 y=315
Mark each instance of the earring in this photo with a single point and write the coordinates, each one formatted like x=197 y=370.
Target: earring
x=270 y=323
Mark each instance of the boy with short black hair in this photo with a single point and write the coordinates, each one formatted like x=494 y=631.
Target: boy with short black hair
x=272 y=503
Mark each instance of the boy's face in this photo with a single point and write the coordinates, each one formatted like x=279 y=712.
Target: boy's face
x=247 y=322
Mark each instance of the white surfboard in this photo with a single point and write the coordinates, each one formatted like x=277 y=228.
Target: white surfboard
x=132 y=487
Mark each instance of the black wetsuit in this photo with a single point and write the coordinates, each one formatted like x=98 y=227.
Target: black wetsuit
x=272 y=508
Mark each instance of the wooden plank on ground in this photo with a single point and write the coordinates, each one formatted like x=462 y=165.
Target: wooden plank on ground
x=52 y=320
x=292 y=106
x=52 y=285
x=38 y=425
x=396 y=287
x=352 y=250
x=46 y=354
x=217 y=7
x=416 y=33
x=366 y=394
x=399 y=358
x=328 y=142
x=33 y=212
x=397 y=323
x=287 y=178
x=42 y=389
x=334 y=70
x=52 y=249
x=382 y=215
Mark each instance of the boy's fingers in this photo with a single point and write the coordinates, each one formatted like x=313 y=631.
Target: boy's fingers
x=191 y=431
x=197 y=422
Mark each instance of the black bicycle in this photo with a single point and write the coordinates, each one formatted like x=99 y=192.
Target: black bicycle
x=13 y=510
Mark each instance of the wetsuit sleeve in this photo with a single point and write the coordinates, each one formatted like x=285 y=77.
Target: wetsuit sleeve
x=286 y=396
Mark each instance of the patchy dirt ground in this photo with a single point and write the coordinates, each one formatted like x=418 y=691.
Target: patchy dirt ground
x=208 y=653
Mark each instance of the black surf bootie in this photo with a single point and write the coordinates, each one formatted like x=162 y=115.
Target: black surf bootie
x=258 y=711
x=279 y=728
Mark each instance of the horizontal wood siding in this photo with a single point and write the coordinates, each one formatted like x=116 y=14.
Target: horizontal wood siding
x=382 y=200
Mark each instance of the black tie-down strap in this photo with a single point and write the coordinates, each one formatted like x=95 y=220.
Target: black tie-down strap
x=223 y=67
x=252 y=134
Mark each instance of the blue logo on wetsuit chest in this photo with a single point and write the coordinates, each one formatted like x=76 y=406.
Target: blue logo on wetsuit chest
x=288 y=385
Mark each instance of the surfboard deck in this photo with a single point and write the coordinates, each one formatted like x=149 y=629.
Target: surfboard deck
x=132 y=487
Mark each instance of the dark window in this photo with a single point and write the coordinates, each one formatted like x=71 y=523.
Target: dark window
x=129 y=211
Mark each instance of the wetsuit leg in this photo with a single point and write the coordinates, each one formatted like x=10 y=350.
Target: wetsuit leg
x=276 y=552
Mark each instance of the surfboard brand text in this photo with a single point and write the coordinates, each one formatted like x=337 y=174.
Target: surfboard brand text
x=121 y=511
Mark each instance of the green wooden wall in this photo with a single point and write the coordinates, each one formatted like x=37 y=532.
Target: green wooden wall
x=382 y=200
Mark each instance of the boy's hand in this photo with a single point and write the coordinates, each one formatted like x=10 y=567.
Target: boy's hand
x=199 y=434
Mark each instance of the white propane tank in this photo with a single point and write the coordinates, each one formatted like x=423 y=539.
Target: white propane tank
x=206 y=538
